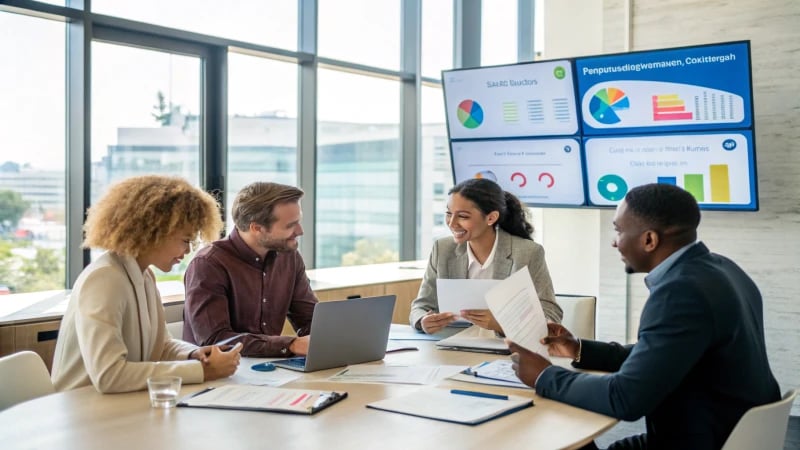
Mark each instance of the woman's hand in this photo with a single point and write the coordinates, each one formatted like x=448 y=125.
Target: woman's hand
x=216 y=363
x=433 y=322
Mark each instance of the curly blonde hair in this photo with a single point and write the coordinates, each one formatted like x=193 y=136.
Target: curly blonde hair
x=140 y=213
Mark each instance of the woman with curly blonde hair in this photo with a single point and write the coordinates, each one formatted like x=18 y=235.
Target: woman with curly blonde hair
x=113 y=334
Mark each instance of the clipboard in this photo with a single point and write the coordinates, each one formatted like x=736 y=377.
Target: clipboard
x=263 y=398
x=455 y=406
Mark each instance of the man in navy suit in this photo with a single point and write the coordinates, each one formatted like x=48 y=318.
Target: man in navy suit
x=700 y=361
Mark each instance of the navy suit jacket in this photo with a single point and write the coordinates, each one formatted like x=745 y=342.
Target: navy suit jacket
x=699 y=363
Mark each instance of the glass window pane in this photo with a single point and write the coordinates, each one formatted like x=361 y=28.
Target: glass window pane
x=361 y=31
x=358 y=166
x=437 y=37
x=435 y=177
x=145 y=118
x=499 y=32
x=538 y=29
x=262 y=123
x=32 y=154
x=272 y=23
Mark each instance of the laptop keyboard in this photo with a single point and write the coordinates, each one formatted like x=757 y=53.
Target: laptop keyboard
x=299 y=362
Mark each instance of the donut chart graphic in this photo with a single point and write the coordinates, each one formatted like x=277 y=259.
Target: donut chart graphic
x=606 y=102
x=612 y=187
x=470 y=114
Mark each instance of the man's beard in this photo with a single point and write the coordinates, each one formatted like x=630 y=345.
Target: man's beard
x=278 y=245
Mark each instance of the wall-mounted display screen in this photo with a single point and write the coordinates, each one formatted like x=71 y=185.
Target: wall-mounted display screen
x=600 y=125
x=538 y=171
x=511 y=101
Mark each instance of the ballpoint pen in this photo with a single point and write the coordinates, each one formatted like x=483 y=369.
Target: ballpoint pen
x=479 y=394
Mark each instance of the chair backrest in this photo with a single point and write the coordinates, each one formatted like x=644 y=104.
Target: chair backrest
x=762 y=427
x=23 y=376
x=175 y=329
x=579 y=314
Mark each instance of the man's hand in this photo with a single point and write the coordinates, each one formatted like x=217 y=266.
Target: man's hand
x=527 y=364
x=433 y=322
x=482 y=318
x=560 y=342
x=299 y=346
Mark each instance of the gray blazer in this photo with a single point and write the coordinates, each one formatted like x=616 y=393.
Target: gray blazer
x=449 y=261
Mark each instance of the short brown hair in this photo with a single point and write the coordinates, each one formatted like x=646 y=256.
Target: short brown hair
x=139 y=213
x=256 y=203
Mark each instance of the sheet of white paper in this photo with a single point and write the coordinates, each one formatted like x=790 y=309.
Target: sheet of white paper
x=500 y=369
x=515 y=305
x=233 y=395
x=245 y=375
x=385 y=373
x=455 y=295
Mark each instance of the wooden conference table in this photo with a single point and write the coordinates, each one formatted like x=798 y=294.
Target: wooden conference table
x=85 y=419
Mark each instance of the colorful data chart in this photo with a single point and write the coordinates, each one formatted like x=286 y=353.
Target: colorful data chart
x=694 y=184
x=470 y=114
x=669 y=107
x=605 y=104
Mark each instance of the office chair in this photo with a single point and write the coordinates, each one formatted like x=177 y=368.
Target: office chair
x=25 y=377
x=579 y=314
x=762 y=427
x=175 y=329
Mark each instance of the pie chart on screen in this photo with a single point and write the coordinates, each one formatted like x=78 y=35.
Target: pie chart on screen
x=605 y=104
x=470 y=114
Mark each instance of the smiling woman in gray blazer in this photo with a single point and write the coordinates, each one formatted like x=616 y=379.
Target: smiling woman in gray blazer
x=491 y=240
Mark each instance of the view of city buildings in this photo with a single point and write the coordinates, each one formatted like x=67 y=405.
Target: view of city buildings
x=357 y=193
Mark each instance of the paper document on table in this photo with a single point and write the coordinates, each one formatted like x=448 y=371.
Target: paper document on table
x=246 y=375
x=262 y=398
x=498 y=373
x=456 y=295
x=385 y=373
x=459 y=406
x=515 y=305
x=475 y=339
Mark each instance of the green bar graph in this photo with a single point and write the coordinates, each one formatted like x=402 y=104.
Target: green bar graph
x=693 y=182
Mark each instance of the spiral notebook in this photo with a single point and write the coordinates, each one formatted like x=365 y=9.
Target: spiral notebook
x=263 y=398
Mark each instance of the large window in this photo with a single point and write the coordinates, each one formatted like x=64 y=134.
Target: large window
x=499 y=32
x=437 y=37
x=361 y=31
x=262 y=123
x=272 y=23
x=32 y=154
x=358 y=170
x=146 y=117
x=212 y=91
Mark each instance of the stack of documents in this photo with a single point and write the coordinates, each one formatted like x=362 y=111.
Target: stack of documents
x=497 y=373
x=475 y=339
x=457 y=406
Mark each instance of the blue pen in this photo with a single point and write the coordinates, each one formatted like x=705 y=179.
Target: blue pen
x=479 y=394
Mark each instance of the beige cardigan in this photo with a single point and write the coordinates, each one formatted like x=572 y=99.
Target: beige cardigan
x=113 y=334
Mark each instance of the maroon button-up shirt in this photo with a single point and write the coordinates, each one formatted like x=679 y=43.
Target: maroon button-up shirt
x=230 y=290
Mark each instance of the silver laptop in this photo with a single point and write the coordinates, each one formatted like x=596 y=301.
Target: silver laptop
x=346 y=332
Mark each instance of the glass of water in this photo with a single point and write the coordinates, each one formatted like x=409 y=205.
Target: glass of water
x=163 y=391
